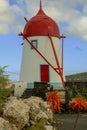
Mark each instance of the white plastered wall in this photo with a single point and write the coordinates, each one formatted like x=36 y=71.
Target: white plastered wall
x=19 y=88
x=31 y=60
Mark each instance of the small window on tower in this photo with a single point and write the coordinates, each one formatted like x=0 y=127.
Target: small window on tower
x=34 y=42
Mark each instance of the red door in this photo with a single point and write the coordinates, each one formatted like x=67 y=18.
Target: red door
x=44 y=72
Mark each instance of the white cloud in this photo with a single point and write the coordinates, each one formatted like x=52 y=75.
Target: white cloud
x=10 y=17
x=78 y=27
x=71 y=12
x=4 y=29
x=5 y=16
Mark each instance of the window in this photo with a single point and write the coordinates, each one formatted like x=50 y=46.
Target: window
x=34 y=42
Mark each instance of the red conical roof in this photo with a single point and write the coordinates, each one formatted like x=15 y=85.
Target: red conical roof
x=41 y=25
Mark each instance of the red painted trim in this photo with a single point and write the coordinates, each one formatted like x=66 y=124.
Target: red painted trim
x=44 y=75
x=62 y=52
x=22 y=43
x=25 y=19
x=57 y=61
x=40 y=4
x=54 y=51
x=62 y=36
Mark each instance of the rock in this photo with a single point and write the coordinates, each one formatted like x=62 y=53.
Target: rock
x=4 y=125
x=41 y=115
x=33 y=100
x=13 y=127
x=17 y=112
x=34 y=111
x=25 y=113
x=48 y=127
x=38 y=110
x=34 y=104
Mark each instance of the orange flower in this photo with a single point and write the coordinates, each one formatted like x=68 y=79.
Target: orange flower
x=78 y=104
x=54 y=100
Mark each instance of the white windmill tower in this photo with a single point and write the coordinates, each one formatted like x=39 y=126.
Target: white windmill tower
x=42 y=60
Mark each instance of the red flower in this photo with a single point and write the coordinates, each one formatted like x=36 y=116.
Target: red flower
x=78 y=104
x=54 y=100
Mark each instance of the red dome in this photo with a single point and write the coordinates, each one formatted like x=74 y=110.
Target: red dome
x=41 y=25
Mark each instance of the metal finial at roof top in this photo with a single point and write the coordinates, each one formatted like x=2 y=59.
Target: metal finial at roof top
x=40 y=4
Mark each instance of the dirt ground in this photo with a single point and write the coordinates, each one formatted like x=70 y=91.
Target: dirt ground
x=69 y=120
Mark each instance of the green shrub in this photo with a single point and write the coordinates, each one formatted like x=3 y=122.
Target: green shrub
x=4 y=93
x=39 y=126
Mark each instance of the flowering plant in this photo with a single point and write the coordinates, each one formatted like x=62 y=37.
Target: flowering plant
x=78 y=104
x=54 y=100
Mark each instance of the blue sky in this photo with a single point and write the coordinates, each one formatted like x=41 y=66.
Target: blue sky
x=71 y=18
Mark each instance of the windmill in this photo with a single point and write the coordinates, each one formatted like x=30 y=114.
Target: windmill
x=42 y=58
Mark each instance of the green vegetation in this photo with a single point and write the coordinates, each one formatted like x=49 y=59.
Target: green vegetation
x=77 y=91
x=4 y=92
x=3 y=78
x=3 y=83
x=38 y=126
x=78 y=85
x=82 y=77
